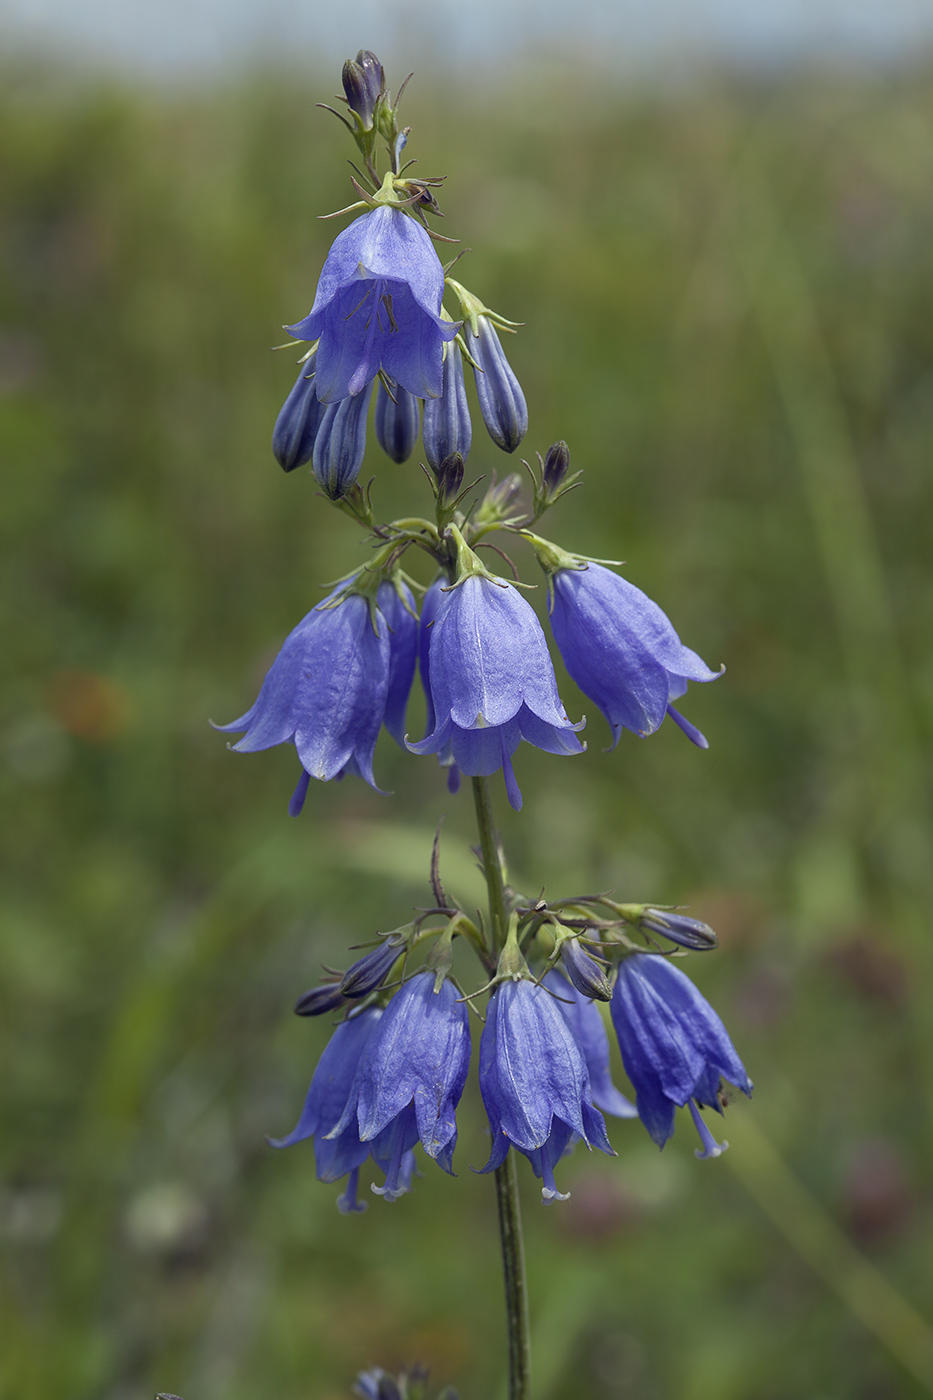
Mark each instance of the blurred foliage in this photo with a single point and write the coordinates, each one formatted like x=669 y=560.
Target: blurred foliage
x=727 y=293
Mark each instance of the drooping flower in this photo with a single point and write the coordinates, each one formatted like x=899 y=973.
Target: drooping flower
x=535 y=1083
x=339 y=1154
x=378 y=305
x=489 y=681
x=675 y=1048
x=585 y=1022
x=622 y=650
x=338 y=677
x=410 y=1076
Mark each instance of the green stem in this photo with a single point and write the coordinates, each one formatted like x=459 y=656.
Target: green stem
x=516 y=1292
x=510 y=1220
x=492 y=869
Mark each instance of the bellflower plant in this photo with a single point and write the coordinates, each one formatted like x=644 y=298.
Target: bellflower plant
x=395 y=1068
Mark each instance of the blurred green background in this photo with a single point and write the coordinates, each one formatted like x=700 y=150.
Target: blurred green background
x=727 y=292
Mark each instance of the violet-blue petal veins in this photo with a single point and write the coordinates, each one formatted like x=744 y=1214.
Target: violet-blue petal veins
x=490 y=680
x=396 y=421
x=326 y=692
x=534 y=1080
x=446 y=426
x=622 y=650
x=298 y=421
x=674 y=1046
x=340 y=443
x=583 y=1018
x=378 y=306
x=418 y=1061
x=501 y=400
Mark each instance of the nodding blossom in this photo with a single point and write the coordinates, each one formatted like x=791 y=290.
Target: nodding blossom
x=622 y=650
x=377 y=306
x=675 y=1048
x=342 y=1153
x=490 y=681
x=410 y=1077
x=535 y=1083
x=341 y=674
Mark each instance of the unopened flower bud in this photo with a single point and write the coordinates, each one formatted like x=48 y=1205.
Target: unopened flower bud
x=446 y=427
x=297 y=424
x=501 y=400
x=369 y=972
x=362 y=85
x=556 y=466
x=319 y=1000
x=396 y=421
x=340 y=444
x=584 y=972
x=449 y=479
x=689 y=933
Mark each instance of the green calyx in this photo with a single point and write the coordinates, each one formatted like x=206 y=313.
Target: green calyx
x=473 y=308
x=468 y=563
x=512 y=965
x=551 y=557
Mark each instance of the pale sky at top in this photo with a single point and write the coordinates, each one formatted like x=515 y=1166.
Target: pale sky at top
x=190 y=37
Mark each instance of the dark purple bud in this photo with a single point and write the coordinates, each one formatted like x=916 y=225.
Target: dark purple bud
x=297 y=424
x=556 y=466
x=340 y=443
x=396 y=422
x=449 y=479
x=501 y=400
x=362 y=85
x=319 y=1000
x=369 y=972
x=446 y=427
x=689 y=933
x=584 y=972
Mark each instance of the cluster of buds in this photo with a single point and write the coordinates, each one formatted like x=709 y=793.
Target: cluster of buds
x=378 y=319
